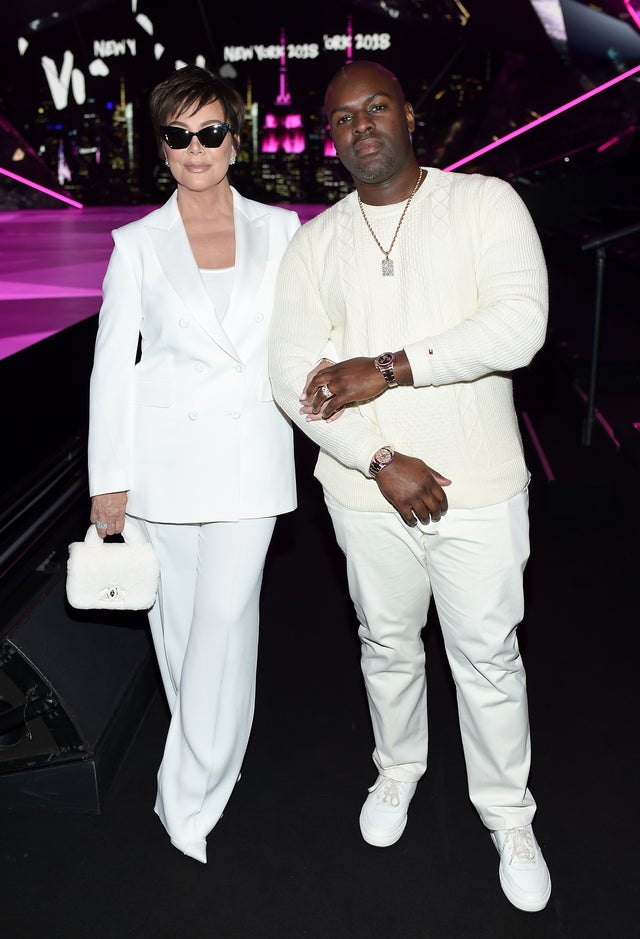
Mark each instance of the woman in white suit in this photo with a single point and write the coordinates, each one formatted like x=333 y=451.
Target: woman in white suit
x=189 y=440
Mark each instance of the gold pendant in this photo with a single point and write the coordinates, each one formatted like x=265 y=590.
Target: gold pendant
x=387 y=267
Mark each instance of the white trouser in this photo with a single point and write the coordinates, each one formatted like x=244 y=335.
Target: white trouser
x=471 y=562
x=205 y=632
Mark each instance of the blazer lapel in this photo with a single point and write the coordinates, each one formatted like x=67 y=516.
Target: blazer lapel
x=252 y=252
x=170 y=242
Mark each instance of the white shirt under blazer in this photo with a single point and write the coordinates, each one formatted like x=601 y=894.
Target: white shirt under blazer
x=191 y=431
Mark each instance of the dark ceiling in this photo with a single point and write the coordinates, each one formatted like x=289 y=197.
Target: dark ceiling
x=492 y=24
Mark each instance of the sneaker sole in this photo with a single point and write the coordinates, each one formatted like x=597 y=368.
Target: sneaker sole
x=522 y=901
x=379 y=840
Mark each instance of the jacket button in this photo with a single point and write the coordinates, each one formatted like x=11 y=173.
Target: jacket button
x=235 y=415
x=183 y=323
x=199 y=367
x=193 y=415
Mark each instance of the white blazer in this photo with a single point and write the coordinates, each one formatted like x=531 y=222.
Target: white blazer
x=191 y=430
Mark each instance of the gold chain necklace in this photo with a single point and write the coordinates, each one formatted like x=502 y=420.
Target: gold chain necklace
x=387 y=263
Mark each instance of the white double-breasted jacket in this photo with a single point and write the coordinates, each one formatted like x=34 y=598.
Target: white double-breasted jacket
x=190 y=430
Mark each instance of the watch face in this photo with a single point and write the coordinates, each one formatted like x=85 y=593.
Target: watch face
x=384 y=456
x=386 y=359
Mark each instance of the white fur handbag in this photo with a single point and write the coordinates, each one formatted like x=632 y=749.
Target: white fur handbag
x=113 y=575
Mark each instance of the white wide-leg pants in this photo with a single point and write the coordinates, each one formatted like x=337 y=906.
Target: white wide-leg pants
x=204 y=627
x=471 y=562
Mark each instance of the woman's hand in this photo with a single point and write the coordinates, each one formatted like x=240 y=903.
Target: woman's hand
x=307 y=403
x=107 y=512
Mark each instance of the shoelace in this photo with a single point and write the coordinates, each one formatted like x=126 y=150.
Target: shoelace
x=520 y=844
x=389 y=792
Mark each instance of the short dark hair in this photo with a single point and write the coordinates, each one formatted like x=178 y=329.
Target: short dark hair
x=191 y=87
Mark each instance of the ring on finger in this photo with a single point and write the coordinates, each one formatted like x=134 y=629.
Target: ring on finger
x=102 y=526
x=324 y=391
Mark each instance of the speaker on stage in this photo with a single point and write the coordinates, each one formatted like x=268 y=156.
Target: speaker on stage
x=74 y=688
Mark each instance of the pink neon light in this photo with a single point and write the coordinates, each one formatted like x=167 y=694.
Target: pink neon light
x=635 y=16
x=608 y=143
x=544 y=117
x=49 y=192
x=538 y=447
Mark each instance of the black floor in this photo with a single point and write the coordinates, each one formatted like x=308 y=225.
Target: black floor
x=287 y=859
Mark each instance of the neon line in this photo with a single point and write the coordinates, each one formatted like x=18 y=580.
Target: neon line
x=546 y=466
x=49 y=192
x=608 y=143
x=601 y=419
x=544 y=117
x=632 y=13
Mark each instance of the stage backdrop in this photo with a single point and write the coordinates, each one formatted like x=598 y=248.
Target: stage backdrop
x=76 y=87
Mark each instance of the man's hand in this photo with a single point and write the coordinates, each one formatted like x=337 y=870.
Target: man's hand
x=107 y=513
x=414 y=489
x=350 y=381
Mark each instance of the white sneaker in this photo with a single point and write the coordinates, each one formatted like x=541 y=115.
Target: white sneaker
x=524 y=875
x=384 y=814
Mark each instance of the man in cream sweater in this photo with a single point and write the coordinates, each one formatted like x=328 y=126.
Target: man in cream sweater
x=432 y=287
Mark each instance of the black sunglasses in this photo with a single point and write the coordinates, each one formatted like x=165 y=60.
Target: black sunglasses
x=179 y=138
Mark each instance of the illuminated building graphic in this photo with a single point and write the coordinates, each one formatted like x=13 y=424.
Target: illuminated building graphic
x=64 y=173
x=123 y=119
x=251 y=119
x=329 y=149
x=282 y=128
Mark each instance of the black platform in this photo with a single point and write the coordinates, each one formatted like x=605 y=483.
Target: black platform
x=287 y=861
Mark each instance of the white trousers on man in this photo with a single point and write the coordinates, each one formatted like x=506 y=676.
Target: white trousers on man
x=204 y=627
x=471 y=562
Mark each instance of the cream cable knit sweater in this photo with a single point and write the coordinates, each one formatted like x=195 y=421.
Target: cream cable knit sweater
x=468 y=302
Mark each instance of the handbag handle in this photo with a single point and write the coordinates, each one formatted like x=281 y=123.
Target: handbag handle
x=132 y=533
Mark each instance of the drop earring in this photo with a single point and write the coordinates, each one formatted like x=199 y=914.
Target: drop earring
x=232 y=160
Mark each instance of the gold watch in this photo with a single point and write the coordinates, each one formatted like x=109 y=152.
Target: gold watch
x=380 y=459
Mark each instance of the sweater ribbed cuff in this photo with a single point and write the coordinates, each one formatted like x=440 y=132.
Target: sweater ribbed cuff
x=420 y=355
